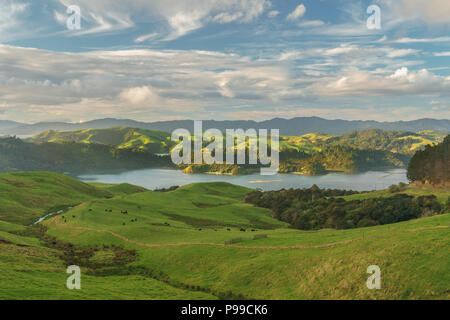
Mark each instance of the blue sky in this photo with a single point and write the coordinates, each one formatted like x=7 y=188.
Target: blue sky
x=208 y=59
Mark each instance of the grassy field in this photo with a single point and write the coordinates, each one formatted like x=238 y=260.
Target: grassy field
x=441 y=195
x=26 y=196
x=188 y=244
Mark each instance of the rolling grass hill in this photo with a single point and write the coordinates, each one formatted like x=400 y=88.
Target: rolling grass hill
x=120 y=137
x=392 y=141
x=441 y=195
x=30 y=270
x=119 y=189
x=187 y=243
x=159 y=142
x=27 y=196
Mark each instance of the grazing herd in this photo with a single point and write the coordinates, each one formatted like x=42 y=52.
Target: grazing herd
x=125 y=212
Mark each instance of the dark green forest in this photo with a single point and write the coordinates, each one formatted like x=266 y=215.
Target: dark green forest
x=73 y=158
x=315 y=208
x=431 y=165
x=340 y=158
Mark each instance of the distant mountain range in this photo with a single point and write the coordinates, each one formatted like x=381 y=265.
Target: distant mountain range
x=289 y=127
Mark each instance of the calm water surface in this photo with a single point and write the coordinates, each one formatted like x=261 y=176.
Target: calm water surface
x=163 y=178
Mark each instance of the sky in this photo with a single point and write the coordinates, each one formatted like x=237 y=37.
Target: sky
x=153 y=60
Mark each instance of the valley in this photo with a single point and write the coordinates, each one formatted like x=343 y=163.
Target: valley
x=187 y=244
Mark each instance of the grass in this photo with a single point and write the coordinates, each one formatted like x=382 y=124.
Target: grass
x=190 y=241
x=441 y=195
x=37 y=273
x=26 y=196
x=118 y=189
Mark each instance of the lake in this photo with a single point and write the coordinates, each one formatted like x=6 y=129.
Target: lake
x=164 y=178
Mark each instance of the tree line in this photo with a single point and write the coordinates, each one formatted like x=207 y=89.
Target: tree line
x=74 y=158
x=314 y=208
x=431 y=165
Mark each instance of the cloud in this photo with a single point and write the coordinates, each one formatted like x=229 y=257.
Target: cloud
x=430 y=11
x=311 y=23
x=146 y=37
x=183 y=23
x=139 y=95
x=10 y=13
x=401 y=82
x=132 y=81
x=351 y=55
x=420 y=40
x=149 y=84
x=273 y=13
x=94 y=19
x=181 y=17
x=299 y=12
x=442 y=54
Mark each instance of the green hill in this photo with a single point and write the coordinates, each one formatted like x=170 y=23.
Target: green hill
x=392 y=141
x=27 y=196
x=120 y=137
x=159 y=142
x=312 y=153
x=72 y=157
x=190 y=243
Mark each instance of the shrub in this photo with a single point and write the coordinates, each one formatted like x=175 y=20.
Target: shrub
x=394 y=189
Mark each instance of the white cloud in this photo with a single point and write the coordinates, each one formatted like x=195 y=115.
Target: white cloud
x=146 y=37
x=299 y=12
x=311 y=23
x=401 y=82
x=183 y=83
x=139 y=95
x=181 y=16
x=10 y=13
x=273 y=13
x=395 y=53
x=430 y=11
x=94 y=20
x=183 y=23
x=421 y=40
x=442 y=54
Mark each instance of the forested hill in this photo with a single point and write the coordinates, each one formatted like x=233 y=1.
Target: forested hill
x=403 y=142
x=431 y=165
x=120 y=137
x=73 y=158
x=124 y=148
x=313 y=153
